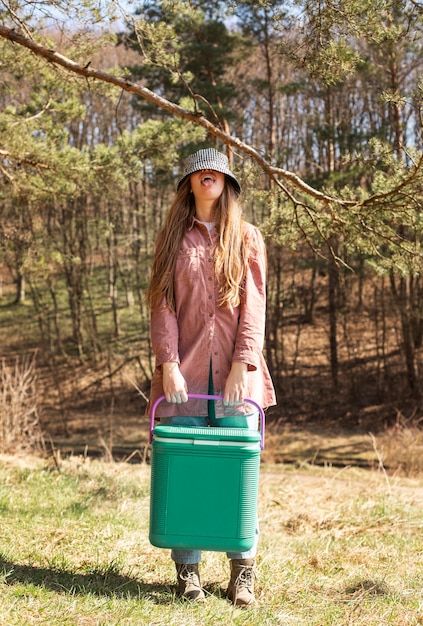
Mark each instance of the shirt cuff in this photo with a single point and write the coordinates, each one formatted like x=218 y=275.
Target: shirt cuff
x=251 y=358
x=166 y=356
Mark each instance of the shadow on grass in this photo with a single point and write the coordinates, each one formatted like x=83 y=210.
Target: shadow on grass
x=92 y=582
x=369 y=588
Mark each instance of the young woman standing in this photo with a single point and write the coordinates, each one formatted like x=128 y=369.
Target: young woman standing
x=208 y=301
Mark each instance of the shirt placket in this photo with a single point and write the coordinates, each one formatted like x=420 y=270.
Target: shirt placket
x=211 y=311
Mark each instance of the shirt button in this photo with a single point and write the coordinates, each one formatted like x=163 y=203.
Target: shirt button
x=209 y=278
x=210 y=297
x=210 y=314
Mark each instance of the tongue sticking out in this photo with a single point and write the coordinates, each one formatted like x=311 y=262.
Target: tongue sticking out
x=207 y=181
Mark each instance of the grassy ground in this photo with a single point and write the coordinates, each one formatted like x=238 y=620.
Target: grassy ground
x=338 y=547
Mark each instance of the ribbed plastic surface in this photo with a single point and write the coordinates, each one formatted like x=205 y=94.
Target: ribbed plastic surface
x=204 y=488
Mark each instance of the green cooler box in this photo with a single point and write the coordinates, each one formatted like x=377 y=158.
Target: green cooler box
x=204 y=485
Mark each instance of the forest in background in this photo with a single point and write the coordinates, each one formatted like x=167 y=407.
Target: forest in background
x=318 y=105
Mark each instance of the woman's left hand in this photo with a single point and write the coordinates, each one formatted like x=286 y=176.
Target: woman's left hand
x=236 y=384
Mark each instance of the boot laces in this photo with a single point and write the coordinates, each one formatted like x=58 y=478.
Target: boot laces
x=245 y=577
x=188 y=574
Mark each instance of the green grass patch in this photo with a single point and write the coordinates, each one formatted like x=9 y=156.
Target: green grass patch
x=337 y=547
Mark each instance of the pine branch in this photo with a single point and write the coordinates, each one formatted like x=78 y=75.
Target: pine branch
x=89 y=72
x=275 y=173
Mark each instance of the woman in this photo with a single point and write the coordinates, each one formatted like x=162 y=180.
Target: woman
x=207 y=300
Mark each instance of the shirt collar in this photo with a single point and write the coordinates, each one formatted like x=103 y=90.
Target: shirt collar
x=195 y=221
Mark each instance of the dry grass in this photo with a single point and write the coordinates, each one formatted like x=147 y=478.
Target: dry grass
x=401 y=446
x=19 y=414
x=337 y=548
x=397 y=450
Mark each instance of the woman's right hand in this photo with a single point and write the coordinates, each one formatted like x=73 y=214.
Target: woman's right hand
x=174 y=384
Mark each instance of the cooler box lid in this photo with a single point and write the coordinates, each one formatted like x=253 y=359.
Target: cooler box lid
x=207 y=434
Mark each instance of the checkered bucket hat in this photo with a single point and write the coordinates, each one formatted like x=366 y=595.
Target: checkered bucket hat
x=209 y=159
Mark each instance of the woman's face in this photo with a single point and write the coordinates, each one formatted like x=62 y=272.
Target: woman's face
x=207 y=185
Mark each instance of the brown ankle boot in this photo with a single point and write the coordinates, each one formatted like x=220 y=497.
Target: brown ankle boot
x=241 y=585
x=189 y=585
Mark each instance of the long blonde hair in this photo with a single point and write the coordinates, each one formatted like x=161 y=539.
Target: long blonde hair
x=230 y=258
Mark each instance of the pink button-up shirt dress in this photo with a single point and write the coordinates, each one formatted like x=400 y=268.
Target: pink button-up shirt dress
x=201 y=334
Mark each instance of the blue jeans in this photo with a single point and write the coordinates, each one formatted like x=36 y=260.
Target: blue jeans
x=248 y=421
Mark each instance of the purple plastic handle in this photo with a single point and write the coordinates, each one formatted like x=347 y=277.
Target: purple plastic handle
x=202 y=396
